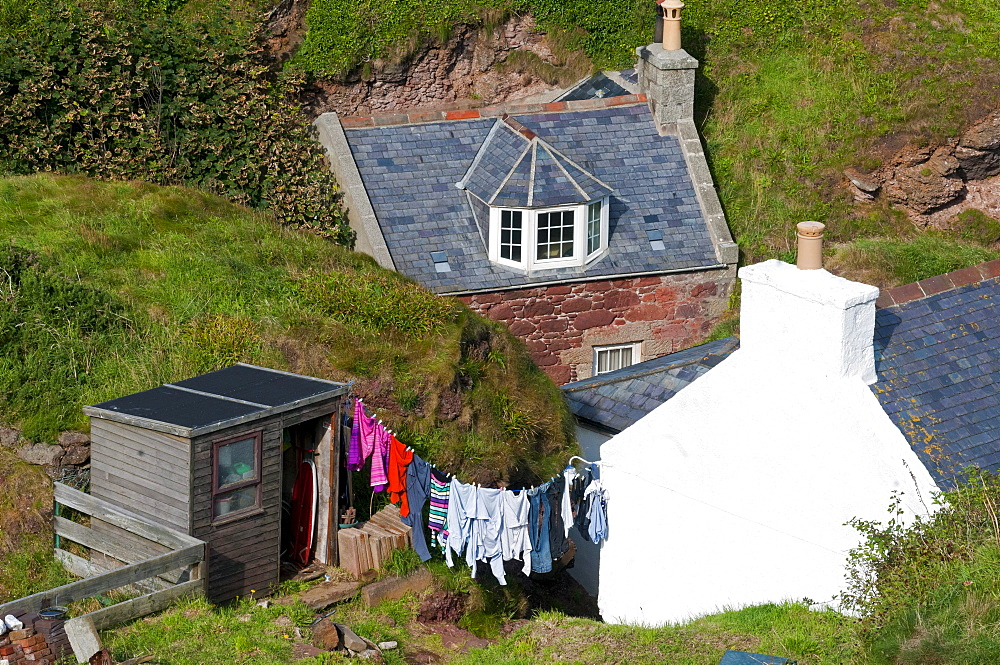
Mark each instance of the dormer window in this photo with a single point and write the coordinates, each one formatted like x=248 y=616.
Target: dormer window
x=543 y=238
x=545 y=210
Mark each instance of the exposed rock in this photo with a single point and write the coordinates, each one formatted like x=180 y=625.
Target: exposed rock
x=350 y=639
x=70 y=439
x=9 y=437
x=76 y=456
x=41 y=454
x=984 y=135
x=978 y=164
x=387 y=645
x=394 y=588
x=326 y=636
x=866 y=182
x=461 y=72
x=925 y=184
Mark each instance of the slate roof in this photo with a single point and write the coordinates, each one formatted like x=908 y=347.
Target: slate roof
x=938 y=363
x=410 y=173
x=616 y=400
x=600 y=85
x=515 y=168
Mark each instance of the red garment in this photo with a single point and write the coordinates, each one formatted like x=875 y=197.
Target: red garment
x=399 y=459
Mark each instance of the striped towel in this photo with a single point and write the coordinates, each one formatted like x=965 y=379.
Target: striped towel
x=437 y=523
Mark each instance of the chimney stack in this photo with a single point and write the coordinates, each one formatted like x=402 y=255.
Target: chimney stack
x=671 y=24
x=808 y=322
x=810 y=255
x=665 y=70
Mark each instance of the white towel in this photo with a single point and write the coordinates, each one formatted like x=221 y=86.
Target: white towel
x=12 y=622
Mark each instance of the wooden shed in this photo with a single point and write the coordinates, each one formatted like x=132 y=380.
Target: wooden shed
x=216 y=456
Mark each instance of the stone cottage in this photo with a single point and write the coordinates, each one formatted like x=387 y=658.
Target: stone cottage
x=590 y=226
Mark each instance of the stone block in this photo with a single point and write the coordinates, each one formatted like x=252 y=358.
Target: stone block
x=9 y=437
x=327 y=593
x=593 y=319
x=553 y=325
x=76 y=456
x=70 y=439
x=326 y=636
x=538 y=308
x=41 y=454
x=577 y=305
x=621 y=299
x=501 y=312
x=83 y=638
x=394 y=588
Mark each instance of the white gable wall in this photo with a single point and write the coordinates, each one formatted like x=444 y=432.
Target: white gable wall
x=736 y=490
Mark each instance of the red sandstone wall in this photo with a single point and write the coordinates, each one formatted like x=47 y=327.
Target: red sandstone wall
x=562 y=324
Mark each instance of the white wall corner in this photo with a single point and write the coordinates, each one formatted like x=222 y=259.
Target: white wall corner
x=810 y=322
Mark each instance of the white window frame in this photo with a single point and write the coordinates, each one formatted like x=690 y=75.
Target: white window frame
x=635 y=347
x=529 y=237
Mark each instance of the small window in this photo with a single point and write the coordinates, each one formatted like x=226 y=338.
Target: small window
x=510 y=235
x=609 y=358
x=555 y=235
x=236 y=475
x=593 y=227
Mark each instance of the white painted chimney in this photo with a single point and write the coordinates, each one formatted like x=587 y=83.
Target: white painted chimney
x=807 y=324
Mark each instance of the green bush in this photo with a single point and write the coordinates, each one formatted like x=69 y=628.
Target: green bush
x=136 y=93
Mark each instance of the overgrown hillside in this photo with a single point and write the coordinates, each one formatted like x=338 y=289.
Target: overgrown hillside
x=111 y=288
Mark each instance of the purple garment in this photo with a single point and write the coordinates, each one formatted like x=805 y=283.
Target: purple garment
x=366 y=427
x=381 y=441
x=354 y=460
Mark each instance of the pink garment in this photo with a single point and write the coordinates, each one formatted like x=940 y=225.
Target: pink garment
x=380 y=458
x=367 y=433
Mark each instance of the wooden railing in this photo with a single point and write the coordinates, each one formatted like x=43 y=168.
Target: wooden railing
x=183 y=553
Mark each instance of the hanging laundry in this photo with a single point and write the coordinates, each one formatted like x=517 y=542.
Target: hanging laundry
x=514 y=540
x=558 y=543
x=418 y=480
x=566 y=507
x=598 y=528
x=581 y=501
x=399 y=460
x=479 y=511
x=538 y=529
x=437 y=522
x=368 y=433
x=461 y=499
x=380 y=458
x=354 y=459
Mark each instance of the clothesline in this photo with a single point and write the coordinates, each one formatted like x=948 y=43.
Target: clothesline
x=486 y=524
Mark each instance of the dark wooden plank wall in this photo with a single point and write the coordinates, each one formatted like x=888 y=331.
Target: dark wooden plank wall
x=243 y=553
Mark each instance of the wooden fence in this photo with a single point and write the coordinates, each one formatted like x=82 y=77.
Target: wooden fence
x=183 y=553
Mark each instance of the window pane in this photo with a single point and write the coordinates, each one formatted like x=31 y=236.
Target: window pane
x=593 y=227
x=510 y=235
x=234 y=501
x=237 y=462
x=626 y=359
x=555 y=235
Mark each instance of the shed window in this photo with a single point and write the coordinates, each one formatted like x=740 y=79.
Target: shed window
x=236 y=475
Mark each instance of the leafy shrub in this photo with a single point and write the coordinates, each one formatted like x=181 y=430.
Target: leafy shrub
x=928 y=591
x=379 y=301
x=142 y=94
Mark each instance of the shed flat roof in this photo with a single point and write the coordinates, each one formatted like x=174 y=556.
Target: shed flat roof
x=216 y=400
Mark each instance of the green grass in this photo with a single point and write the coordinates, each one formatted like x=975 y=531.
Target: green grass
x=891 y=262
x=131 y=285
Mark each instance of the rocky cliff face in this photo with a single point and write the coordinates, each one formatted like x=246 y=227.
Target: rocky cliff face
x=935 y=183
x=474 y=67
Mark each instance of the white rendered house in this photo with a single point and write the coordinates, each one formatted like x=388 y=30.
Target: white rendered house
x=737 y=490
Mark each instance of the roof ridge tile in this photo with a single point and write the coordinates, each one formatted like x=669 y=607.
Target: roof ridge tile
x=418 y=116
x=938 y=284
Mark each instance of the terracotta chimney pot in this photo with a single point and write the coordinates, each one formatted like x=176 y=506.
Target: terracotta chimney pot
x=671 y=24
x=810 y=245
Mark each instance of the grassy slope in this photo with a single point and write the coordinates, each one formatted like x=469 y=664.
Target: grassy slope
x=196 y=283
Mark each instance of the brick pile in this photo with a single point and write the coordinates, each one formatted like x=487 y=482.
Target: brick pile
x=40 y=642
